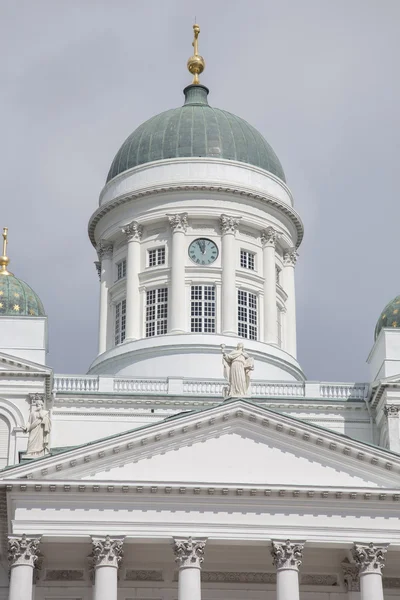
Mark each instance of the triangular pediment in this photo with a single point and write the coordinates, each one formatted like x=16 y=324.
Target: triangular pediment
x=236 y=443
x=14 y=365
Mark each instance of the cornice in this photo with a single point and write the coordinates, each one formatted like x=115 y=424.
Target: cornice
x=153 y=190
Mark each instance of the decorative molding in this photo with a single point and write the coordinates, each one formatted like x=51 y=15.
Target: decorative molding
x=133 y=231
x=178 y=222
x=106 y=552
x=36 y=398
x=97 y=264
x=269 y=237
x=391 y=410
x=322 y=580
x=229 y=224
x=189 y=552
x=391 y=582
x=104 y=250
x=143 y=575
x=290 y=257
x=351 y=576
x=287 y=555
x=369 y=558
x=23 y=551
x=64 y=575
x=237 y=577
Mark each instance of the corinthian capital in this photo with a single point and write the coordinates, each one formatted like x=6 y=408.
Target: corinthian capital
x=178 y=222
x=392 y=410
x=97 y=264
x=351 y=576
x=104 y=250
x=369 y=558
x=133 y=231
x=106 y=552
x=287 y=555
x=23 y=551
x=290 y=257
x=189 y=552
x=269 y=237
x=229 y=224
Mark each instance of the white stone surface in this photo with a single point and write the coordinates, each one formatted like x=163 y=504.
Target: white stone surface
x=24 y=337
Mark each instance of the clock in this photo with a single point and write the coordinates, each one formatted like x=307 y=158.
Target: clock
x=203 y=251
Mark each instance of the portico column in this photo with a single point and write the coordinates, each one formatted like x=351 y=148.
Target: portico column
x=289 y=261
x=370 y=560
x=189 y=556
x=287 y=557
x=23 y=556
x=106 y=558
x=105 y=253
x=269 y=238
x=176 y=302
x=392 y=414
x=133 y=233
x=229 y=227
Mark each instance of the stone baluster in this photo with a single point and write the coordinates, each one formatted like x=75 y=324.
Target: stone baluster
x=370 y=560
x=269 y=238
x=105 y=253
x=189 y=556
x=289 y=261
x=133 y=233
x=105 y=559
x=176 y=303
x=23 y=555
x=229 y=227
x=287 y=557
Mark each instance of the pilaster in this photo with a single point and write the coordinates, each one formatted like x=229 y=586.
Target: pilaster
x=289 y=261
x=133 y=233
x=269 y=238
x=176 y=302
x=229 y=227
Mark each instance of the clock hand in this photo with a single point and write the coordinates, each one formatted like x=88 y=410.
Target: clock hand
x=202 y=245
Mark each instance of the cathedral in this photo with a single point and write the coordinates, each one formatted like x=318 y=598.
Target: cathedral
x=194 y=460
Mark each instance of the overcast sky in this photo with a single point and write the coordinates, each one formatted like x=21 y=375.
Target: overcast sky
x=318 y=78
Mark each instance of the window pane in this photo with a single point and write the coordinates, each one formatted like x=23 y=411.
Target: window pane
x=156 y=311
x=202 y=309
x=247 y=315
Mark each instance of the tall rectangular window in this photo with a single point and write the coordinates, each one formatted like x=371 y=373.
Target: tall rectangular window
x=121 y=269
x=247 y=315
x=156 y=311
x=202 y=309
x=120 y=322
x=156 y=256
x=247 y=260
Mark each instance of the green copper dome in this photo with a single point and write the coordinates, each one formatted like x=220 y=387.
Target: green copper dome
x=196 y=129
x=390 y=316
x=17 y=298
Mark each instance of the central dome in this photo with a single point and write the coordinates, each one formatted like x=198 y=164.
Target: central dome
x=192 y=130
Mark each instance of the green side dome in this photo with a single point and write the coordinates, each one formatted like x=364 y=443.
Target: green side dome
x=18 y=299
x=196 y=129
x=390 y=316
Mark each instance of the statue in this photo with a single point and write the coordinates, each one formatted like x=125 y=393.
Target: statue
x=237 y=367
x=38 y=427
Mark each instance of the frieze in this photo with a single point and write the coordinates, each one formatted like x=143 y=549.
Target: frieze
x=237 y=577
x=143 y=575
x=391 y=582
x=65 y=575
x=323 y=580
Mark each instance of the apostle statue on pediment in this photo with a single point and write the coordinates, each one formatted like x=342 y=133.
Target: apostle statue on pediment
x=237 y=366
x=38 y=427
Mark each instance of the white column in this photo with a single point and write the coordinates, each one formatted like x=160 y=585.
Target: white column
x=370 y=560
x=269 y=238
x=287 y=557
x=176 y=301
x=105 y=253
x=289 y=261
x=23 y=556
x=189 y=556
x=106 y=558
x=133 y=233
x=229 y=227
x=392 y=414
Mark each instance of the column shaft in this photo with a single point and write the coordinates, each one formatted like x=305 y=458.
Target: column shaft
x=287 y=584
x=106 y=583
x=371 y=586
x=268 y=239
x=21 y=583
x=289 y=287
x=105 y=256
x=229 y=226
x=189 y=586
x=133 y=233
x=177 y=317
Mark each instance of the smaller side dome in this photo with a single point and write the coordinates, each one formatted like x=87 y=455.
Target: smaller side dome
x=17 y=298
x=390 y=316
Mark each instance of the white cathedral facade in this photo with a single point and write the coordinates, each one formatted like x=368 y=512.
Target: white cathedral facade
x=194 y=460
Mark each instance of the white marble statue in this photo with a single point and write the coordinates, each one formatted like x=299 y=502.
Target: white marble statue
x=38 y=427
x=237 y=367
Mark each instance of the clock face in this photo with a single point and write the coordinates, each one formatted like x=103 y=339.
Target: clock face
x=203 y=251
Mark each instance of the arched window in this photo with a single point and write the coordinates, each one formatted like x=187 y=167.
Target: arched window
x=4 y=442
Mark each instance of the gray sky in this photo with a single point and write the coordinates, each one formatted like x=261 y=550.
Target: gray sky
x=319 y=79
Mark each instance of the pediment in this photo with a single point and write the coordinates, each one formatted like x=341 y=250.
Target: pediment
x=236 y=443
x=14 y=365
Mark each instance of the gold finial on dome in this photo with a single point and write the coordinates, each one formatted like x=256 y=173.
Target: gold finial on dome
x=4 y=260
x=196 y=63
